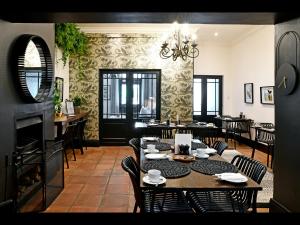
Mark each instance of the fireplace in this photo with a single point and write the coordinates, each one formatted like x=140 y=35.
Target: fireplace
x=29 y=164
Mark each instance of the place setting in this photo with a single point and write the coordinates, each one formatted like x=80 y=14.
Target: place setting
x=151 y=149
x=232 y=177
x=153 y=177
x=204 y=153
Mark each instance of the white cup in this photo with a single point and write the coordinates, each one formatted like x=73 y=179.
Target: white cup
x=152 y=120
x=154 y=175
x=200 y=152
x=151 y=147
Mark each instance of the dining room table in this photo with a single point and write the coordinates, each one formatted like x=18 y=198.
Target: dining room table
x=193 y=178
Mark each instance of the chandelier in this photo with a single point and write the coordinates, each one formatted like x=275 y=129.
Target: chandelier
x=181 y=45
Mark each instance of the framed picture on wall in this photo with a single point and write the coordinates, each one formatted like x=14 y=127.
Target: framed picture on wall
x=70 y=108
x=248 y=93
x=59 y=84
x=267 y=95
x=106 y=92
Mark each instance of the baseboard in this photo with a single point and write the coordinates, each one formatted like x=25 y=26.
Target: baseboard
x=97 y=143
x=263 y=205
x=276 y=207
x=92 y=143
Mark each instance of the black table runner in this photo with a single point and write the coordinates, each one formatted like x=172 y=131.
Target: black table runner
x=169 y=169
x=211 y=167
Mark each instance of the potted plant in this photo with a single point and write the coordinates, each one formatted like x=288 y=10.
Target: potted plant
x=57 y=103
x=77 y=101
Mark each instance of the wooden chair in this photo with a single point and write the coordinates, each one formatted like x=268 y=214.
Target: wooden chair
x=68 y=140
x=266 y=138
x=236 y=128
x=79 y=137
x=8 y=207
x=230 y=201
x=220 y=146
x=152 y=200
x=135 y=144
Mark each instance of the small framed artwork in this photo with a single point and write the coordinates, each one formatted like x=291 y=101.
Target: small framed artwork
x=106 y=92
x=70 y=107
x=59 y=84
x=248 y=93
x=267 y=95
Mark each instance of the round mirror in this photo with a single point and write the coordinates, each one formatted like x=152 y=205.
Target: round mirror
x=34 y=68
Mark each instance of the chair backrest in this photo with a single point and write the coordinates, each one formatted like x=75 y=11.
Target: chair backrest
x=69 y=134
x=220 y=146
x=135 y=144
x=133 y=169
x=253 y=169
x=265 y=136
x=81 y=127
x=8 y=206
x=243 y=126
x=167 y=134
x=267 y=125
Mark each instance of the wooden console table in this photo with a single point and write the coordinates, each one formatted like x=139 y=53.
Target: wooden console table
x=58 y=121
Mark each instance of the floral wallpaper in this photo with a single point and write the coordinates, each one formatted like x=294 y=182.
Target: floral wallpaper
x=131 y=51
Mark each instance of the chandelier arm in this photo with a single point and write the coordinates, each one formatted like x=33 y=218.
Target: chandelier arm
x=194 y=53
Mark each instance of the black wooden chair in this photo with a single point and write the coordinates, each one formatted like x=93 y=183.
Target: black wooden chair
x=79 y=137
x=135 y=144
x=220 y=146
x=153 y=200
x=266 y=138
x=68 y=140
x=167 y=134
x=230 y=201
x=8 y=207
x=236 y=128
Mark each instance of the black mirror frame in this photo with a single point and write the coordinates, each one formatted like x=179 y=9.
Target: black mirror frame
x=19 y=71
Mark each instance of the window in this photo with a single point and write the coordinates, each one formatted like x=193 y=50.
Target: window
x=207 y=97
x=131 y=94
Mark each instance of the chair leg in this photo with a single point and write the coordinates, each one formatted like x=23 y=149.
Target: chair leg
x=135 y=208
x=65 y=152
x=81 y=145
x=268 y=156
x=85 y=142
x=253 y=152
x=73 y=151
x=272 y=155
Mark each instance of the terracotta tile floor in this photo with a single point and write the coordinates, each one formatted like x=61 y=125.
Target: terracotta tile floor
x=96 y=182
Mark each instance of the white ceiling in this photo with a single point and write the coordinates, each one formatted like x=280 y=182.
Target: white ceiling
x=227 y=34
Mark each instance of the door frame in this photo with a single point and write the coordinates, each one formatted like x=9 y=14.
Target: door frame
x=129 y=97
x=208 y=118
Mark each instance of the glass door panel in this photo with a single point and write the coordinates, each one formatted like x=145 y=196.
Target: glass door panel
x=114 y=96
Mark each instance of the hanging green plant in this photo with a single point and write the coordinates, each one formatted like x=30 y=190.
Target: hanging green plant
x=72 y=42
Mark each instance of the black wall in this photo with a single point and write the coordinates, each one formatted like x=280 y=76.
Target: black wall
x=287 y=117
x=10 y=102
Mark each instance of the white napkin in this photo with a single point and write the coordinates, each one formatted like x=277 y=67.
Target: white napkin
x=196 y=141
x=230 y=176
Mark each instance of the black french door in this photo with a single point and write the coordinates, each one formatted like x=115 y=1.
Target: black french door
x=207 y=97
x=126 y=96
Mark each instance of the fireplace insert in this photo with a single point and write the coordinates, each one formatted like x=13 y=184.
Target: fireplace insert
x=29 y=164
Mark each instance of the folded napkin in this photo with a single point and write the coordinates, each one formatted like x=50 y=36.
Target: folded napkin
x=230 y=176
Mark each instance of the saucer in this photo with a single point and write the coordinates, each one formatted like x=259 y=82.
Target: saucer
x=148 y=181
x=208 y=150
x=204 y=156
x=150 y=138
x=151 y=151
